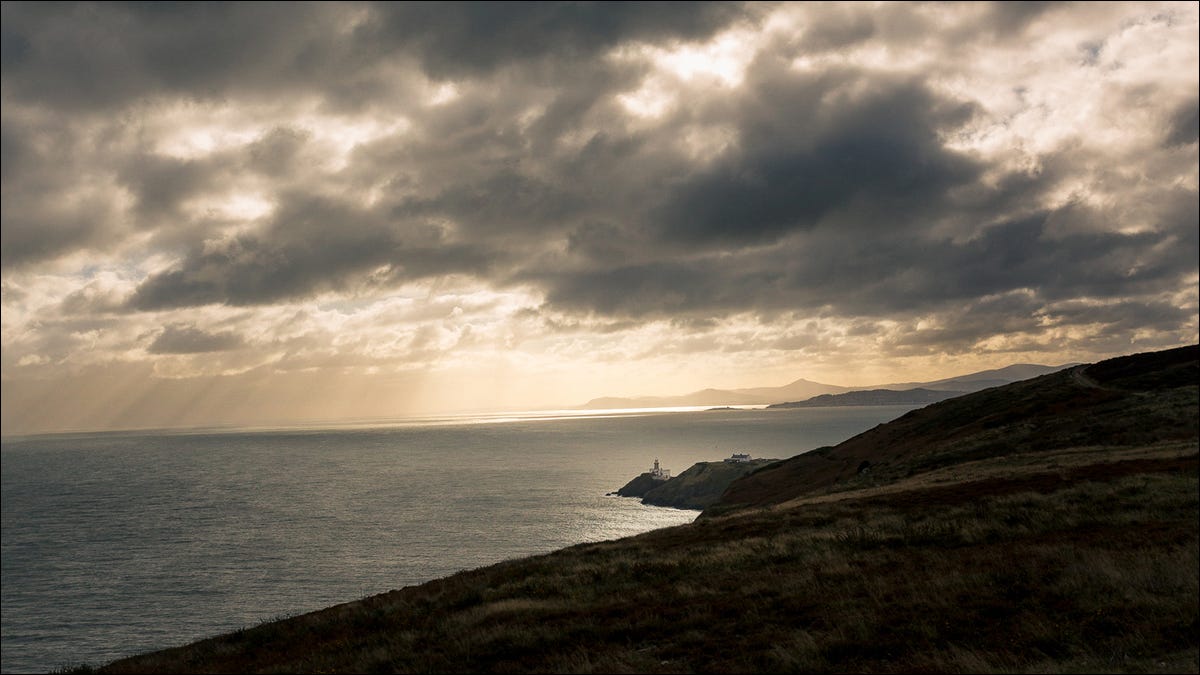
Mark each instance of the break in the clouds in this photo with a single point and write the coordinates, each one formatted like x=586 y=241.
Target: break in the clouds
x=413 y=207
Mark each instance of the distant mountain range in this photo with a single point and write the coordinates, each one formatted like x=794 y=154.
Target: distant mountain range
x=802 y=390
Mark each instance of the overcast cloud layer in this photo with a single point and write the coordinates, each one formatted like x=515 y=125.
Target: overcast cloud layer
x=253 y=212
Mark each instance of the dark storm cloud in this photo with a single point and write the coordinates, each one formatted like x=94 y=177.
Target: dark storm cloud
x=44 y=209
x=1017 y=255
x=597 y=242
x=129 y=55
x=1007 y=314
x=35 y=232
x=312 y=245
x=184 y=339
x=830 y=27
x=837 y=27
x=1023 y=314
x=828 y=199
x=492 y=160
x=845 y=147
x=1009 y=18
x=1128 y=315
x=1184 y=124
x=506 y=201
x=894 y=273
x=88 y=57
x=162 y=184
x=840 y=190
x=657 y=290
x=277 y=152
x=812 y=147
x=473 y=38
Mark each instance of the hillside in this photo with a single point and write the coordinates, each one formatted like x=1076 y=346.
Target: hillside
x=984 y=379
x=872 y=397
x=802 y=389
x=1140 y=399
x=1051 y=525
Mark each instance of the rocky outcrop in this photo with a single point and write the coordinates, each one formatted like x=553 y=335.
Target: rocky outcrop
x=696 y=488
x=638 y=487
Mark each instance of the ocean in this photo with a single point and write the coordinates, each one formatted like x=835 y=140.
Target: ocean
x=120 y=543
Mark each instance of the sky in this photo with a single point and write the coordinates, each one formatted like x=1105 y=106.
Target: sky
x=271 y=213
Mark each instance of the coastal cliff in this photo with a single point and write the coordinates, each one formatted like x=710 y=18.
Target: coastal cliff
x=697 y=488
x=638 y=487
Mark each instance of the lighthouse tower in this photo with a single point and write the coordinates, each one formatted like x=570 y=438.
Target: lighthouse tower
x=659 y=473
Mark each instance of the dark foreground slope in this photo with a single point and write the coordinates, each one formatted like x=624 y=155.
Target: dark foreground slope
x=1081 y=556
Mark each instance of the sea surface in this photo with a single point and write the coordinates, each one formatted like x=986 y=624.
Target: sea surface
x=120 y=543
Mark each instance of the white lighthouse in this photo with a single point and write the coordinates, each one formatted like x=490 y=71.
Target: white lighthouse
x=659 y=473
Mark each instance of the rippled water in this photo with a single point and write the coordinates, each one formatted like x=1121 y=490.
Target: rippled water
x=120 y=543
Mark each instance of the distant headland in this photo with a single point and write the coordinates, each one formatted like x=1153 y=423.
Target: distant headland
x=697 y=488
x=918 y=396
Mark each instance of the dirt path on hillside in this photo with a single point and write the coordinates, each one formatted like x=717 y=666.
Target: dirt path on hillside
x=1078 y=376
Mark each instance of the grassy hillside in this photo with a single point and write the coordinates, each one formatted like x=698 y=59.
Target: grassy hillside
x=1051 y=525
x=1140 y=400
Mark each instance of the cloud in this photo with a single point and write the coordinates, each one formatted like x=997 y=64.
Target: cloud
x=890 y=273
x=51 y=202
x=839 y=28
x=858 y=149
x=770 y=184
x=89 y=58
x=183 y=339
x=468 y=39
x=1184 y=127
x=162 y=185
x=313 y=245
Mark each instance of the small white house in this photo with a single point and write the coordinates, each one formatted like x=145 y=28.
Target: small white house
x=738 y=458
